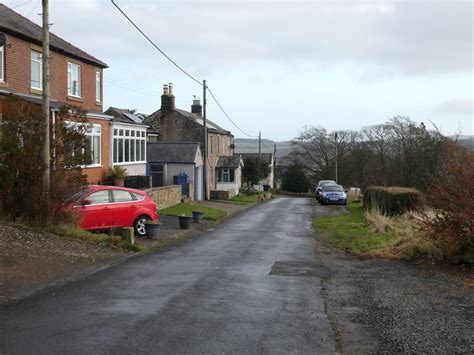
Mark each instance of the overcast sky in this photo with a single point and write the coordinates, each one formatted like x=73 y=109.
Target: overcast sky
x=277 y=66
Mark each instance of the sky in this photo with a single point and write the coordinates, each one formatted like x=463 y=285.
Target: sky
x=278 y=66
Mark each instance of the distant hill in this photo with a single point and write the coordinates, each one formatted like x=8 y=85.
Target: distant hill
x=466 y=141
x=246 y=145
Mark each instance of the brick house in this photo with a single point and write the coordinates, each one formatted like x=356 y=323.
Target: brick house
x=76 y=79
x=176 y=125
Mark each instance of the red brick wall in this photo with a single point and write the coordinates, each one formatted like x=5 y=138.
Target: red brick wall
x=18 y=74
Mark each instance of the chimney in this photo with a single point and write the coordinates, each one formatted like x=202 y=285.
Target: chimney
x=196 y=107
x=167 y=99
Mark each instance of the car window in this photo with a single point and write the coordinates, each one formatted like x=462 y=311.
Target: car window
x=99 y=197
x=77 y=195
x=122 y=196
x=333 y=188
x=138 y=197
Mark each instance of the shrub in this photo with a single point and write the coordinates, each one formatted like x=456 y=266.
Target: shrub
x=392 y=200
x=117 y=172
x=452 y=197
x=294 y=179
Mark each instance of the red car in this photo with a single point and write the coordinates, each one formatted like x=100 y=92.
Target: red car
x=105 y=207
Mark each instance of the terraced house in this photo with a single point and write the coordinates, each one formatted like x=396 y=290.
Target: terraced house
x=76 y=79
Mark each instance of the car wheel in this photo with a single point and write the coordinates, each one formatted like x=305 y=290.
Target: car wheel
x=139 y=225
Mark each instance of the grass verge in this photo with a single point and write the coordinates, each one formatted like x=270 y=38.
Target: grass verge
x=102 y=239
x=188 y=208
x=358 y=233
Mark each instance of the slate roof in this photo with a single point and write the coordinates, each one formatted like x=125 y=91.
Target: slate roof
x=124 y=116
x=268 y=157
x=199 y=120
x=164 y=152
x=13 y=23
x=228 y=161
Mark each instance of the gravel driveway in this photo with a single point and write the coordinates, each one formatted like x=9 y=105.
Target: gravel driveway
x=32 y=260
x=380 y=306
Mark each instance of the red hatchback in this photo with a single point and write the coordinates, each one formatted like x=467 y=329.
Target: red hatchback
x=105 y=207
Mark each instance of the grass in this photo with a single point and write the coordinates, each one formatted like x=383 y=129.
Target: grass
x=244 y=199
x=374 y=234
x=187 y=209
x=67 y=231
x=351 y=233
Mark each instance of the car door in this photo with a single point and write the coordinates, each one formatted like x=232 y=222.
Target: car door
x=123 y=208
x=95 y=210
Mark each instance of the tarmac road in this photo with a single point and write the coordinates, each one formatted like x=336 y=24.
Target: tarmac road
x=251 y=285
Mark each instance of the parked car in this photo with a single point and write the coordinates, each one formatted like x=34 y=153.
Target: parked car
x=319 y=188
x=106 y=207
x=333 y=194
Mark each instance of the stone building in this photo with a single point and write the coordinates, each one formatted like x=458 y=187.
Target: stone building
x=176 y=125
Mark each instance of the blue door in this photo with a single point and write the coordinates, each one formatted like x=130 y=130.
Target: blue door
x=182 y=179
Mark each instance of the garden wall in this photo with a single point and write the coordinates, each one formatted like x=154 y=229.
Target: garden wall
x=165 y=196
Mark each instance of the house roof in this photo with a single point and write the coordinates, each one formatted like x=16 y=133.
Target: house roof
x=125 y=116
x=232 y=161
x=199 y=120
x=164 y=152
x=13 y=23
x=268 y=157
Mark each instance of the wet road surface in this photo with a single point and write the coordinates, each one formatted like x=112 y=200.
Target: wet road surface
x=251 y=285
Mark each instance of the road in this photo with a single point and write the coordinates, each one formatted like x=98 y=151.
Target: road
x=251 y=285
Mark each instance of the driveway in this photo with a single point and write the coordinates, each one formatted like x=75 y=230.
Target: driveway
x=251 y=285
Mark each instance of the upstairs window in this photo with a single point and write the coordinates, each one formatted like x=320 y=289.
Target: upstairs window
x=97 y=86
x=74 y=79
x=36 y=70
x=2 y=61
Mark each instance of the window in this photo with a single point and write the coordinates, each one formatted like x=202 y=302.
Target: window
x=36 y=70
x=97 y=86
x=74 y=79
x=226 y=175
x=99 y=197
x=93 y=134
x=129 y=146
x=2 y=66
x=122 y=196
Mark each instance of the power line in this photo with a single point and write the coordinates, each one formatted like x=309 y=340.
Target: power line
x=230 y=119
x=129 y=88
x=154 y=45
x=180 y=68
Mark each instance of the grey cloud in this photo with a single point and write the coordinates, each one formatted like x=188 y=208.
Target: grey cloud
x=460 y=106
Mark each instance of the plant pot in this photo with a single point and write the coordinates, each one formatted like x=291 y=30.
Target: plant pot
x=198 y=216
x=152 y=230
x=185 y=222
x=119 y=182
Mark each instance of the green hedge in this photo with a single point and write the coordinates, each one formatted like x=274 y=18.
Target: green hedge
x=392 y=200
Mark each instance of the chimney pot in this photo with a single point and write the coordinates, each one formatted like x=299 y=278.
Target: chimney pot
x=170 y=86
x=196 y=107
x=165 y=89
x=167 y=99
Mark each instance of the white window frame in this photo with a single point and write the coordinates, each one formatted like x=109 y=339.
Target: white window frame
x=40 y=64
x=91 y=134
x=70 y=66
x=2 y=64
x=137 y=140
x=98 y=86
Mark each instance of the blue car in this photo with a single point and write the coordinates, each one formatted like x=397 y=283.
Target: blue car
x=333 y=195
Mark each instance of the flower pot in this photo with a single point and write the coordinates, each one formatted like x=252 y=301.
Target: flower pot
x=185 y=222
x=119 y=182
x=152 y=230
x=198 y=216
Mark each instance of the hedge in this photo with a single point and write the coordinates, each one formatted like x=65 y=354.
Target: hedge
x=392 y=200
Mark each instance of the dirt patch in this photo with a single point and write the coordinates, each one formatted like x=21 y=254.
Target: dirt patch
x=384 y=306
x=32 y=260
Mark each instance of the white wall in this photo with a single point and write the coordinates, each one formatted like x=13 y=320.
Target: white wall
x=134 y=169
x=235 y=186
x=176 y=169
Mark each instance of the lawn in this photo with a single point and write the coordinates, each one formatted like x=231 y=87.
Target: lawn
x=350 y=231
x=244 y=199
x=188 y=208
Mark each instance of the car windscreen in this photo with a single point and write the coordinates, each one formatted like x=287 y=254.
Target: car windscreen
x=333 y=188
x=325 y=182
x=77 y=195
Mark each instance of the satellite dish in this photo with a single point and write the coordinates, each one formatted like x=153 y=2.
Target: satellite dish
x=3 y=39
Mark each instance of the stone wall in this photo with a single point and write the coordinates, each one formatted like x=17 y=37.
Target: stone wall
x=165 y=196
x=222 y=194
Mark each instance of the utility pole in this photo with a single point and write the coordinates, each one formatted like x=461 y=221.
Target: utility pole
x=45 y=100
x=274 y=164
x=335 y=140
x=204 y=119
x=259 y=144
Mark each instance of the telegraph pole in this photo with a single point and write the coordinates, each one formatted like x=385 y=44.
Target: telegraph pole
x=204 y=119
x=259 y=144
x=335 y=140
x=45 y=99
x=274 y=164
